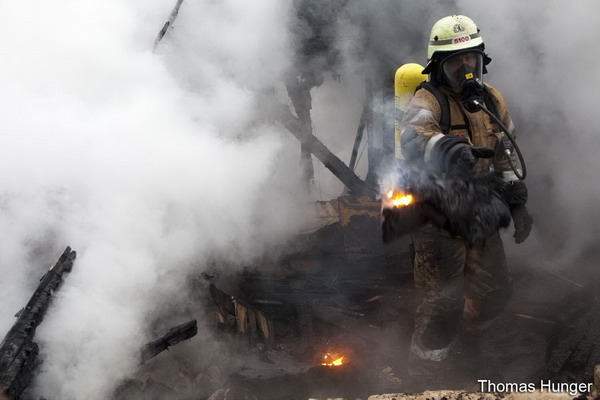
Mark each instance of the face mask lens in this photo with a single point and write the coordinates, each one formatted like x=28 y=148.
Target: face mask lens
x=461 y=67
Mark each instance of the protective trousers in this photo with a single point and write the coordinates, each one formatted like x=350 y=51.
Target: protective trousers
x=459 y=282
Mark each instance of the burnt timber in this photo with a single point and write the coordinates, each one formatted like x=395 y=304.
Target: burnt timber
x=177 y=334
x=18 y=351
x=312 y=144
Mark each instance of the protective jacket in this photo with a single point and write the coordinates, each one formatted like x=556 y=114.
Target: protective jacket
x=421 y=128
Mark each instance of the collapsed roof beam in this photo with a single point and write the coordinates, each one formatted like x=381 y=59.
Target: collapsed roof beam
x=329 y=160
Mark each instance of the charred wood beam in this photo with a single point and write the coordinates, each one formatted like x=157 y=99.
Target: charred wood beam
x=299 y=92
x=175 y=335
x=18 y=352
x=247 y=319
x=267 y=328
x=168 y=24
x=374 y=154
x=251 y=321
x=330 y=160
x=359 y=135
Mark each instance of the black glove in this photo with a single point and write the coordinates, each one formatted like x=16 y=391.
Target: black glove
x=472 y=91
x=455 y=154
x=522 y=221
x=515 y=195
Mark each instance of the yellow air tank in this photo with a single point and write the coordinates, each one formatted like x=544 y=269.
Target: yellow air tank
x=406 y=80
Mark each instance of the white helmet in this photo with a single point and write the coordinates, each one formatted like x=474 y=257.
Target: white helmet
x=455 y=32
x=455 y=52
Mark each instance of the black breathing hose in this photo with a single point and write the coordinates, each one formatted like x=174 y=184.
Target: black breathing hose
x=508 y=142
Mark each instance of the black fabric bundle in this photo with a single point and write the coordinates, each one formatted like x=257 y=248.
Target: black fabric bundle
x=468 y=205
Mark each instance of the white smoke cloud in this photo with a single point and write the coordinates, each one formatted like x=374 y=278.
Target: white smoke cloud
x=145 y=163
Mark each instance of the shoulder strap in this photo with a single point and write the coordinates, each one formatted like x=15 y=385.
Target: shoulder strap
x=442 y=99
x=490 y=101
x=443 y=102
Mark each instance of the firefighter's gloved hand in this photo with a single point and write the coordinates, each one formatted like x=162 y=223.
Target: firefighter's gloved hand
x=523 y=222
x=455 y=154
x=515 y=193
x=461 y=159
x=467 y=157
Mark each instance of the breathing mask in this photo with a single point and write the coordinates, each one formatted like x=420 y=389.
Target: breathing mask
x=463 y=73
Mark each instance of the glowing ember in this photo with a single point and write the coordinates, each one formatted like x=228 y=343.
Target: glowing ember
x=399 y=199
x=330 y=360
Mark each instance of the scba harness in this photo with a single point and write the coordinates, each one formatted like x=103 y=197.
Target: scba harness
x=507 y=143
x=442 y=99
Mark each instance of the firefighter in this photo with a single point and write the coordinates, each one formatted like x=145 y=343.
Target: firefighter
x=443 y=128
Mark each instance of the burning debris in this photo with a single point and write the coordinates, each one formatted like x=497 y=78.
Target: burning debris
x=396 y=199
x=299 y=297
x=333 y=360
x=471 y=206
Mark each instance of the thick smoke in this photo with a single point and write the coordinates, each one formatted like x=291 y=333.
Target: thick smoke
x=146 y=163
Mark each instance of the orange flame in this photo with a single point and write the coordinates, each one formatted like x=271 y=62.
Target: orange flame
x=399 y=199
x=329 y=360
